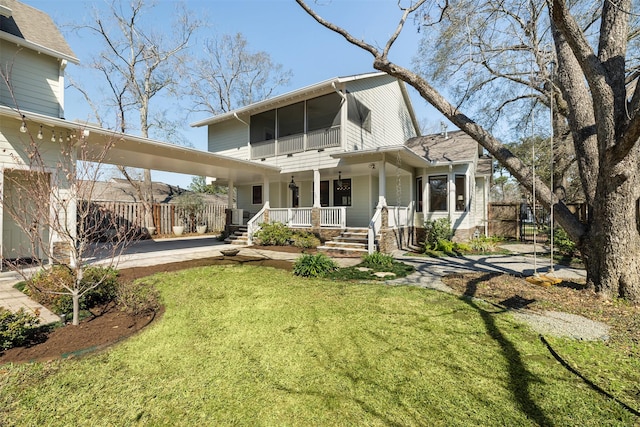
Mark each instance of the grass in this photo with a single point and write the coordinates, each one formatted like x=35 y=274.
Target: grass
x=253 y=346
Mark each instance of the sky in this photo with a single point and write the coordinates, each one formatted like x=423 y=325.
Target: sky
x=279 y=27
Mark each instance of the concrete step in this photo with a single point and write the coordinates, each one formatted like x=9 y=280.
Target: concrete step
x=346 y=252
x=345 y=245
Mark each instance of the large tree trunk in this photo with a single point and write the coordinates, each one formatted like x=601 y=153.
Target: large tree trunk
x=612 y=244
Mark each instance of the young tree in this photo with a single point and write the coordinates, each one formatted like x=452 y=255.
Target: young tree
x=602 y=104
x=138 y=63
x=230 y=75
x=48 y=199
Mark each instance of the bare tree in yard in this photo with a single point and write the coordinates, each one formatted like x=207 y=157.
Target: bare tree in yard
x=138 y=64
x=595 y=87
x=229 y=75
x=47 y=198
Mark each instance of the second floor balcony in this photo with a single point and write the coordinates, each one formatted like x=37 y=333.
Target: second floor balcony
x=314 y=140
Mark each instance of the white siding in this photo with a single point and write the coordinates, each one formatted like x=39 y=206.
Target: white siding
x=229 y=139
x=35 y=80
x=390 y=119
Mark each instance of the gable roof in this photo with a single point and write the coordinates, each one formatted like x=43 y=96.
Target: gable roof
x=451 y=147
x=301 y=94
x=34 y=29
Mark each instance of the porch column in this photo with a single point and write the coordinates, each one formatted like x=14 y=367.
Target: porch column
x=315 y=209
x=265 y=191
x=382 y=184
x=229 y=218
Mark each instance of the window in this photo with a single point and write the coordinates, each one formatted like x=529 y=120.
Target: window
x=291 y=120
x=256 y=192
x=461 y=200
x=263 y=126
x=358 y=113
x=323 y=112
x=419 y=194
x=438 y=193
x=342 y=192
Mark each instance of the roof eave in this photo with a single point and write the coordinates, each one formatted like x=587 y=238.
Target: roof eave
x=38 y=48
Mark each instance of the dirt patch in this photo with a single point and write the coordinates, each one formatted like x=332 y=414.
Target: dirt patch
x=569 y=297
x=108 y=325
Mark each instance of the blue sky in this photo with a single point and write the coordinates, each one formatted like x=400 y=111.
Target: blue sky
x=279 y=27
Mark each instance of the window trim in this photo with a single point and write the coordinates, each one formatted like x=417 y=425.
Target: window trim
x=446 y=195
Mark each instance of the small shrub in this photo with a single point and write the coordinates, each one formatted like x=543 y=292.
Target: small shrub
x=305 y=240
x=377 y=261
x=484 y=244
x=563 y=243
x=273 y=234
x=317 y=265
x=17 y=328
x=445 y=246
x=462 y=248
x=137 y=298
x=439 y=229
x=47 y=287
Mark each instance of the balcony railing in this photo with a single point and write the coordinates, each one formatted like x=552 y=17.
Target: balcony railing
x=314 y=140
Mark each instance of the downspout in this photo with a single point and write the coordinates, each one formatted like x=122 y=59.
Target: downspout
x=235 y=115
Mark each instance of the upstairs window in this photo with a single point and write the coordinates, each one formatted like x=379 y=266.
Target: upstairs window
x=323 y=112
x=263 y=126
x=291 y=120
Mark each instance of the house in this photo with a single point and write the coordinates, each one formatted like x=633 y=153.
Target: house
x=351 y=161
x=33 y=59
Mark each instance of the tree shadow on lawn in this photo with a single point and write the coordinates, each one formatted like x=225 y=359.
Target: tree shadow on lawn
x=520 y=377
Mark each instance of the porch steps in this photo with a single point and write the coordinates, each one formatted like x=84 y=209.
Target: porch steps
x=239 y=237
x=351 y=242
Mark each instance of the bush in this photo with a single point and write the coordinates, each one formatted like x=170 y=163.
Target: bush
x=377 y=261
x=137 y=298
x=47 y=287
x=274 y=234
x=445 y=246
x=317 y=265
x=485 y=244
x=563 y=243
x=16 y=329
x=305 y=240
x=439 y=229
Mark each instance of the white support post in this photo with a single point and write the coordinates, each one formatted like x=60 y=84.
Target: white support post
x=316 y=188
x=382 y=184
x=265 y=191
x=230 y=195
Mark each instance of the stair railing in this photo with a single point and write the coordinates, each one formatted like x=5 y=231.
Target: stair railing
x=253 y=225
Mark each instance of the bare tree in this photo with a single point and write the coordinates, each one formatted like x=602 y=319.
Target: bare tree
x=603 y=115
x=47 y=198
x=230 y=75
x=138 y=63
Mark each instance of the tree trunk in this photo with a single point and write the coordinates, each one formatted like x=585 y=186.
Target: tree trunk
x=147 y=200
x=611 y=247
x=75 y=298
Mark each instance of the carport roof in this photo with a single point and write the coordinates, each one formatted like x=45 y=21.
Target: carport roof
x=135 y=151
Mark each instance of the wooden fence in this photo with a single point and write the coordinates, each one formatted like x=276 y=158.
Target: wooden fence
x=128 y=217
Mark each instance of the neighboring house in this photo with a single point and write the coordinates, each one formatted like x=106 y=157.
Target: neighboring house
x=350 y=155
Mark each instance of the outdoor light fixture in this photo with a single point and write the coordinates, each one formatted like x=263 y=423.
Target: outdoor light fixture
x=53 y=136
x=60 y=137
x=40 y=135
x=339 y=179
x=292 y=184
x=23 y=126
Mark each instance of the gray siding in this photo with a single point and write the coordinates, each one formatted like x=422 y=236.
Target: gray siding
x=230 y=139
x=35 y=80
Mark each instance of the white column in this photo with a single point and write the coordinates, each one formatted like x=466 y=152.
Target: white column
x=316 y=188
x=382 y=184
x=230 y=195
x=265 y=191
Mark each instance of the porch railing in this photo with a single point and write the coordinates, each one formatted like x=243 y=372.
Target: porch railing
x=298 y=217
x=400 y=216
x=314 y=140
x=333 y=217
x=253 y=224
x=323 y=138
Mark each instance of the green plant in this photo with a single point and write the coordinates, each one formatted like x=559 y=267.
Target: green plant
x=273 y=234
x=436 y=230
x=316 y=265
x=190 y=207
x=51 y=287
x=445 y=246
x=305 y=240
x=563 y=243
x=16 y=328
x=137 y=298
x=485 y=244
x=377 y=261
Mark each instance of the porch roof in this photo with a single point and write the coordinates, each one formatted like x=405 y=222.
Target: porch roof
x=389 y=153
x=135 y=151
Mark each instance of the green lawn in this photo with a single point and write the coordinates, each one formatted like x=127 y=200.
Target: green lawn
x=258 y=346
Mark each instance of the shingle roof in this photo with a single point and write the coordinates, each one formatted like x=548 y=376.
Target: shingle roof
x=33 y=26
x=456 y=146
